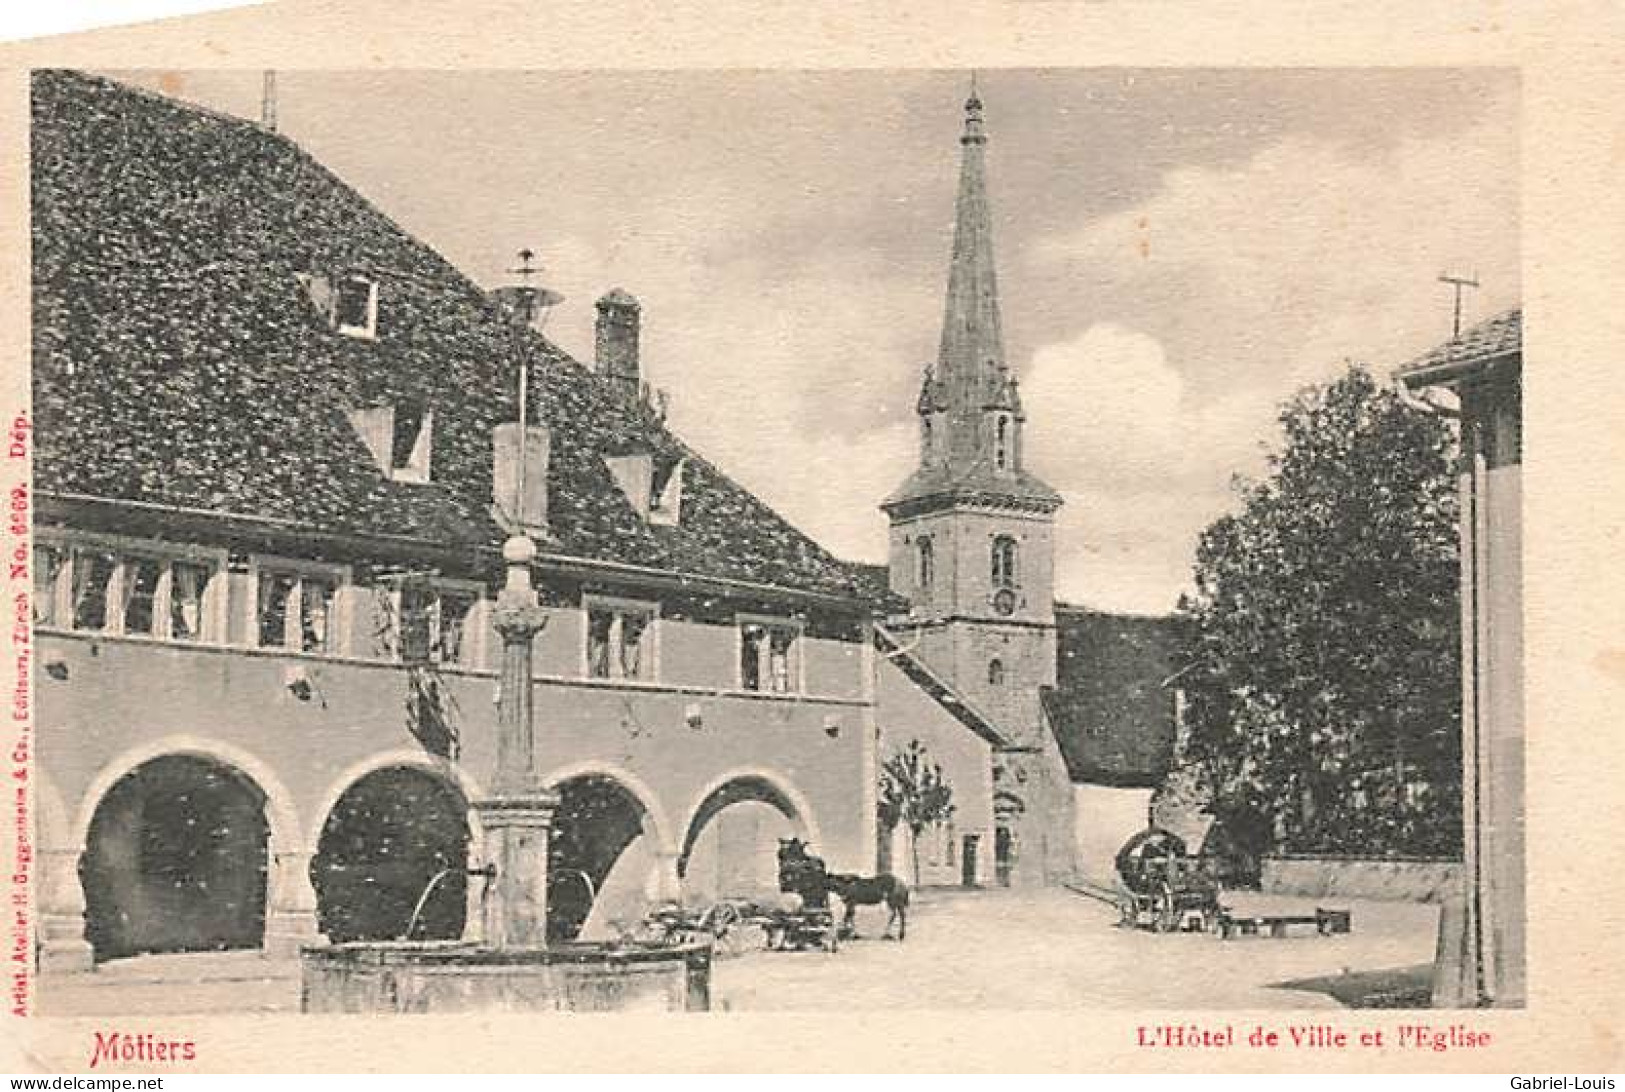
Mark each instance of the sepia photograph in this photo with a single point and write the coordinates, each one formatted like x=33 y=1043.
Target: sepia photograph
x=777 y=540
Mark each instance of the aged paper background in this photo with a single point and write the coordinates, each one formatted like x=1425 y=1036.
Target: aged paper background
x=1574 y=223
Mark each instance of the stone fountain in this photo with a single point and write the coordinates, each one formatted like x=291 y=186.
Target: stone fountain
x=511 y=967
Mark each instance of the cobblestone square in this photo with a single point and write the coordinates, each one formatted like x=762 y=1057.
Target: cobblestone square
x=992 y=949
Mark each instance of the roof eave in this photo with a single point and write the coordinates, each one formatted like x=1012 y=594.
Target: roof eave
x=941 y=692
x=60 y=505
x=1446 y=373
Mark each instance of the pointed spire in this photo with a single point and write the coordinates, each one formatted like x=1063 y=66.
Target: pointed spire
x=972 y=348
x=969 y=402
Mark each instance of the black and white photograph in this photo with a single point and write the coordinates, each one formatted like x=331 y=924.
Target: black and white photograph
x=777 y=540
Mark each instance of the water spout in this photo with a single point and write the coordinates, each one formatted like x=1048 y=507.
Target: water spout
x=417 y=911
x=592 y=893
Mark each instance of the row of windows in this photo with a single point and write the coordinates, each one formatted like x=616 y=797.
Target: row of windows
x=98 y=590
x=1002 y=562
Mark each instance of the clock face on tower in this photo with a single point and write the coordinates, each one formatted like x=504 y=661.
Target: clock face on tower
x=1004 y=601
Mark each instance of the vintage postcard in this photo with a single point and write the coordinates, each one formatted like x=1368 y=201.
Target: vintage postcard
x=587 y=555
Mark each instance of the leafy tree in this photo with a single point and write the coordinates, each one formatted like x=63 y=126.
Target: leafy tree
x=1322 y=639
x=914 y=792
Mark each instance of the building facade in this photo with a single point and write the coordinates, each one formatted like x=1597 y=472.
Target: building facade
x=1482 y=944
x=279 y=450
x=278 y=455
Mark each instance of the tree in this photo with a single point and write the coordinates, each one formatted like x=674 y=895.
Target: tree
x=914 y=792
x=1323 y=677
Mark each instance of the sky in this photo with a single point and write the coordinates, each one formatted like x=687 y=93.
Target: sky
x=1178 y=252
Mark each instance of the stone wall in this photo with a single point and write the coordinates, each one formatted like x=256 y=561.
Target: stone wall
x=1353 y=878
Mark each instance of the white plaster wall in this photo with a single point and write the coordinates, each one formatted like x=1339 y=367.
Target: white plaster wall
x=1106 y=818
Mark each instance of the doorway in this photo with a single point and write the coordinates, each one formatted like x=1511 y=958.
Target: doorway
x=967 y=860
x=1004 y=852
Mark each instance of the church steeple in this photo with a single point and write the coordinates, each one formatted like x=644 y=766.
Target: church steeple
x=972 y=349
x=970 y=411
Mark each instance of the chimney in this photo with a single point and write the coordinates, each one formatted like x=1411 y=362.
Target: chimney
x=616 y=346
x=532 y=514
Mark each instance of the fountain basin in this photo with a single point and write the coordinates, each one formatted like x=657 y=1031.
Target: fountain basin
x=458 y=976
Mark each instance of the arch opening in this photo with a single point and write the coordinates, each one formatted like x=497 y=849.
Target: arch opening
x=601 y=856
x=176 y=859
x=390 y=836
x=730 y=849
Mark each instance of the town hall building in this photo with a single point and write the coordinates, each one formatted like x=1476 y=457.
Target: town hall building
x=278 y=452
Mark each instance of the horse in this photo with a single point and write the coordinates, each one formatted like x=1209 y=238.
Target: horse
x=855 y=891
x=805 y=875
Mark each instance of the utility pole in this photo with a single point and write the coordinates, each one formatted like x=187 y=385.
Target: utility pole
x=1458 y=283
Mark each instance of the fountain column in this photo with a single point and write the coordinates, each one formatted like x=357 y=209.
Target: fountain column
x=518 y=814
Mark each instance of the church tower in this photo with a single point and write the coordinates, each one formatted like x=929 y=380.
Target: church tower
x=972 y=542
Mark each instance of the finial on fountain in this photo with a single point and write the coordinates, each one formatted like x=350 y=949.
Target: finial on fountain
x=518 y=552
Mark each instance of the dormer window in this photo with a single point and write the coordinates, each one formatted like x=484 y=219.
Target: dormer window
x=411 y=436
x=355 y=306
x=652 y=484
x=400 y=438
x=666 y=492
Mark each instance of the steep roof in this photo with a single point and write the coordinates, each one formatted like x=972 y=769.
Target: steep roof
x=1494 y=338
x=938 y=688
x=178 y=360
x=1111 y=712
x=970 y=375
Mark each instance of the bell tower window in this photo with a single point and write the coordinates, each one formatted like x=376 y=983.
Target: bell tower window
x=926 y=440
x=1004 y=562
x=1001 y=443
x=927 y=571
x=995 y=673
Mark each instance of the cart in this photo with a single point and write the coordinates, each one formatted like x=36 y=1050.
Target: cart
x=1163 y=888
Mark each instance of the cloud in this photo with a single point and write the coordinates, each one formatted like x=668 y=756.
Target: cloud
x=1217 y=297
x=1179 y=251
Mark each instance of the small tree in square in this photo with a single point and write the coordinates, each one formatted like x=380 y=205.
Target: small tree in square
x=915 y=792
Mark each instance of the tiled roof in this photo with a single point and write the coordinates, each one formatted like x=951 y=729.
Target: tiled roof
x=1112 y=711
x=875 y=580
x=179 y=361
x=1498 y=336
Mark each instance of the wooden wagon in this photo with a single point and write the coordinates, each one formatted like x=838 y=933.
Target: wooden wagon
x=1163 y=888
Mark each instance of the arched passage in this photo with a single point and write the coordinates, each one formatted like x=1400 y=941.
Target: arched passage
x=730 y=847
x=607 y=842
x=394 y=845
x=177 y=852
